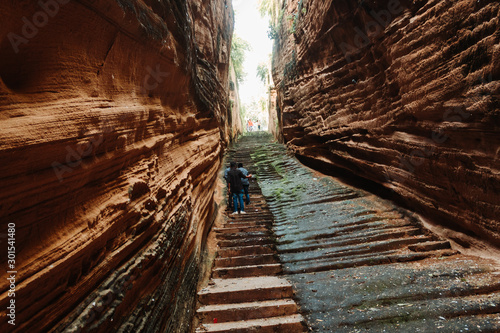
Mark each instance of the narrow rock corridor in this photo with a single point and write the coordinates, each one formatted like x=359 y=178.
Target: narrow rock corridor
x=355 y=262
x=117 y=118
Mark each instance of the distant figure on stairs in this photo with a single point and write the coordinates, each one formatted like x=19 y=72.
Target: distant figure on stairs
x=245 y=182
x=250 y=125
x=234 y=178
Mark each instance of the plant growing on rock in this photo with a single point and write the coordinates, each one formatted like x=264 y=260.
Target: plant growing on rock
x=270 y=8
x=272 y=33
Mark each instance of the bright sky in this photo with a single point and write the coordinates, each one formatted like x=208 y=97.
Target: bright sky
x=250 y=26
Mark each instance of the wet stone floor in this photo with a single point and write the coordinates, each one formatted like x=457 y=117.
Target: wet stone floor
x=358 y=263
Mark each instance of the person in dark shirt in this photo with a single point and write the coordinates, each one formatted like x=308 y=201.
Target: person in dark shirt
x=245 y=182
x=234 y=179
x=229 y=194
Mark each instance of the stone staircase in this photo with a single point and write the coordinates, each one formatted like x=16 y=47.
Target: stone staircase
x=246 y=292
x=356 y=262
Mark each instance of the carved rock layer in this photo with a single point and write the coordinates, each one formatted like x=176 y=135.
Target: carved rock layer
x=113 y=119
x=401 y=93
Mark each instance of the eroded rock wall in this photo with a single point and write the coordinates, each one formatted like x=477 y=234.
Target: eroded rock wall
x=401 y=93
x=113 y=120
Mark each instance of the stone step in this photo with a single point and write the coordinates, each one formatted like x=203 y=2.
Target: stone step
x=240 y=290
x=254 y=211
x=352 y=251
x=284 y=324
x=223 y=313
x=247 y=241
x=246 y=260
x=371 y=260
x=241 y=229
x=254 y=223
x=250 y=216
x=247 y=271
x=239 y=251
x=359 y=238
x=240 y=235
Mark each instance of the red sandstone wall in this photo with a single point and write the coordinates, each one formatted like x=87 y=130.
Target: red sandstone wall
x=403 y=93
x=113 y=119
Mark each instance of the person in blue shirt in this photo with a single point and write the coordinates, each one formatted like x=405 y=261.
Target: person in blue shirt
x=245 y=182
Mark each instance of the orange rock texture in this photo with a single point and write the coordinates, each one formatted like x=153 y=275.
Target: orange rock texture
x=401 y=93
x=113 y=121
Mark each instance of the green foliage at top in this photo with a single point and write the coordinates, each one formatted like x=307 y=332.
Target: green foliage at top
x=266 y=7
x=272 y=33
x=263 y=72
x=239 y=47
x=270 y=8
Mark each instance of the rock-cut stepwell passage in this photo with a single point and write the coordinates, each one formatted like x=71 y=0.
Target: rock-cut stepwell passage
x=356 y=263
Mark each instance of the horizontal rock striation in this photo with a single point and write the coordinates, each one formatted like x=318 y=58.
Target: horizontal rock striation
x=400 y=93
x=113 y=119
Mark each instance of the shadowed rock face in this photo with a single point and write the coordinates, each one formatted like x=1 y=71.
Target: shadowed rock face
x=402 y=93
x=113 y=118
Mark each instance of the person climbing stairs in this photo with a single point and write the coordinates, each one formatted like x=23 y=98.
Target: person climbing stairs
x=247 y=292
